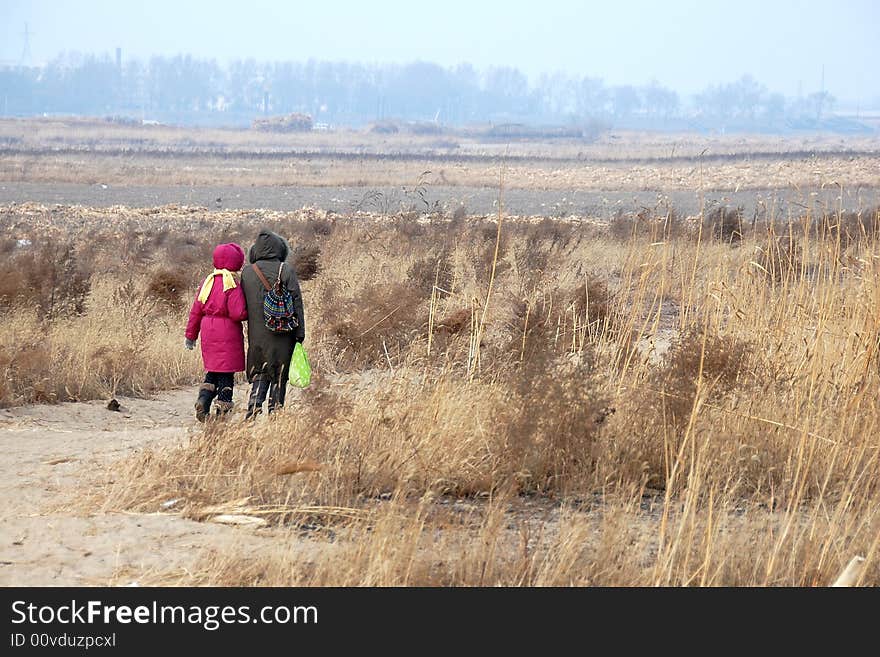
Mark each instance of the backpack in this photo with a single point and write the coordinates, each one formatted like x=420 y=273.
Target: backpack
x=279 y=313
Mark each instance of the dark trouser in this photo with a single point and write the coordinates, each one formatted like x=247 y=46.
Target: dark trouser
x=265 y=385
x=217 y=385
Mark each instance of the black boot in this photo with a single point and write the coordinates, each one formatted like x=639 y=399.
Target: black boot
x=259 y=388
x=207 y=392
x=224 y=406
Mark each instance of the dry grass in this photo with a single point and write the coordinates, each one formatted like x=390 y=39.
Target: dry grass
x=616 y=411
x=94 y=152
x=130 y=348
x=618 y=543
x=329 y=171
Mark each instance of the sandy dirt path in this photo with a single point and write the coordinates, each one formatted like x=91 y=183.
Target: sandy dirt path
x=47 y=451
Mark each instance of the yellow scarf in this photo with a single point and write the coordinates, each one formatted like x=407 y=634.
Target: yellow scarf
x=228 y=283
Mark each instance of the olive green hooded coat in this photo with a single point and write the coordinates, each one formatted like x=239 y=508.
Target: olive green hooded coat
x=269 y=353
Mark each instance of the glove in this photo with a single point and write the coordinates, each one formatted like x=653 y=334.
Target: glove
x=189 y=344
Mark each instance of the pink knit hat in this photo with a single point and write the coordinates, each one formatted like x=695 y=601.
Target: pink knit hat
x=229 y=256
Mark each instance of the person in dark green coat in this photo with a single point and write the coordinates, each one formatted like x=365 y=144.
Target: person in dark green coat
x=268 y=354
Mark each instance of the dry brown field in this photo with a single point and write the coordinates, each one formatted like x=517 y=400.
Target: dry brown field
x=656 y=398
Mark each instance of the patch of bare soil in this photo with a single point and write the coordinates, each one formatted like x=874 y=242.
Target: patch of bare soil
x=46 y=452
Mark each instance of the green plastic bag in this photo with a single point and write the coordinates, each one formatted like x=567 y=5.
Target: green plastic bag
x=300 y=370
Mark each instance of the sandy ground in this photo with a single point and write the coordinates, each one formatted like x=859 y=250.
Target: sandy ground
x=47 y=451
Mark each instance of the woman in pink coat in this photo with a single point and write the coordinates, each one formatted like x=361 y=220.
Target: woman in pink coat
x=217 y=313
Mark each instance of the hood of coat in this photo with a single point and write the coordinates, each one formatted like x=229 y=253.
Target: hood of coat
x=269 y=246
x=229 y=256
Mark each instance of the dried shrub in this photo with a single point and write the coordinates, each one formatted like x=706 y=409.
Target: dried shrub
x=321 y=227
x=9 y=244
x=166 y=286
x=671 y=225
x=50 y=277
x=13 y=286
x=532 y=262
x=621 y=227
x=190 y=251
x=551 y=423
x=552 y=233
x=484 y=241
x=451 y=335
x=724 y=364
x=653 y=224
x=725 y=224
x=116 y=368
x=27 y=374
x=856 y=227
x=381 y=319
x=592 y=301
x=127 y=246
x=408 y=225
x=557 y=320
x=306 y=262
x=437 y=269
x=455 y=322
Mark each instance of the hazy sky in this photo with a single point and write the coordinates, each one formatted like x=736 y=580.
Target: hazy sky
x=684 y=44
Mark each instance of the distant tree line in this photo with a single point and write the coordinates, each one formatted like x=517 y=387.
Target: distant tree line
x=186 y=89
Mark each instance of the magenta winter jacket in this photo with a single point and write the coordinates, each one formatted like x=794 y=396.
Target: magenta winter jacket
x=219 y=319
